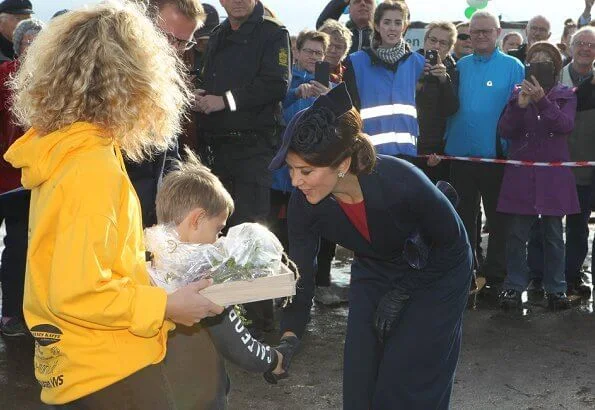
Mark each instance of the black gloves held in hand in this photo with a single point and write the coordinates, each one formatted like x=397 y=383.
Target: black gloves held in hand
x=417 y=249
x=287 y=347
x=388 y=311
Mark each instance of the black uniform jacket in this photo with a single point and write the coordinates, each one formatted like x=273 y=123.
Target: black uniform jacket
x=399 y=199
x=146 y=177
x=250 y=68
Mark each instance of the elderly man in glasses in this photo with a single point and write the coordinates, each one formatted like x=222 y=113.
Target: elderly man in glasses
x=579 y=73
x=486 y=80
x=538 y=29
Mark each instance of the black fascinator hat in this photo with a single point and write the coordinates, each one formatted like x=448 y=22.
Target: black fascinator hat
x=313 y=129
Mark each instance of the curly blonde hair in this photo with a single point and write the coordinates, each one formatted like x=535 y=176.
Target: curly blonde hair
x=107 y=65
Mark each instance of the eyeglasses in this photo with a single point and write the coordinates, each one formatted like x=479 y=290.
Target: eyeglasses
x=579 y=43
x=340 y=48
x=179 y=43
x=539 y=29
x=463 y=36
x=434 y=40
x=310 y=52
x=478 y=33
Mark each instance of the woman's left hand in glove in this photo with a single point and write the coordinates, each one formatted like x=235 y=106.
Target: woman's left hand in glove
x=388 y=312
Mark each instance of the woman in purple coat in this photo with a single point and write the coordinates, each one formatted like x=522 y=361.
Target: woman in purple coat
x=537 y=122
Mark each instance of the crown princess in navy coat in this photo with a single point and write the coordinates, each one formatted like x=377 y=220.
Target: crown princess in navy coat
x=405 y=320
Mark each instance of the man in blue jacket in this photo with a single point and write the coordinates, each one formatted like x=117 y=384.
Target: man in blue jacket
x=487 y=78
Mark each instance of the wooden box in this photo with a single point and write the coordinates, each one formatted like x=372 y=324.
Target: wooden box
x=246 y=291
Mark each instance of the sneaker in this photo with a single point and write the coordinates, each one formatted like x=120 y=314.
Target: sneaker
x=510 y=298
x=326 y=296
x=558 y=301
x=14 y=327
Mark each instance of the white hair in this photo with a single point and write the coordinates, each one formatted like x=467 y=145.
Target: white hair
x=581 y=31
x=539 y=17
x=486 y=15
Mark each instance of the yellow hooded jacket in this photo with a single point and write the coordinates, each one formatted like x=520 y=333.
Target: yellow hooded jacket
x=88 y=299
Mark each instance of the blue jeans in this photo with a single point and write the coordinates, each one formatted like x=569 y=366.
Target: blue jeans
x=516 y=253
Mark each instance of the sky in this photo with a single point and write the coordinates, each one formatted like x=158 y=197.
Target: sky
x=301 y=14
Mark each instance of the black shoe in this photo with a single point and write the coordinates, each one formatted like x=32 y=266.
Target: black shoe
x=535 y=286
x=579 y=288
x=510 y=299
x=558 y=301
x=495 y=284
x=14 y=327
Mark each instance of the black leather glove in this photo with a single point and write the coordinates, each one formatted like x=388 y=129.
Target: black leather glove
x=388 y=312
x=287 y=347
x=417 y=250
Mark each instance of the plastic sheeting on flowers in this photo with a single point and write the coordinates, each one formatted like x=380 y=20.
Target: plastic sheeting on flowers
x=249 y=251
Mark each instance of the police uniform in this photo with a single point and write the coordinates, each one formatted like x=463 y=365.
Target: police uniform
x=249 y=67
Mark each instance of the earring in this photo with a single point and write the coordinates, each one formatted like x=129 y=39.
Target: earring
x=341 y=174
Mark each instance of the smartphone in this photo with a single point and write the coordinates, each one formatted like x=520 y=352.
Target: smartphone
x=322 y=73
x=432 y=57
x=543 y=72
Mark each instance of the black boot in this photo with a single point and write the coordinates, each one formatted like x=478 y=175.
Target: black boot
x=558 y=301
x=579 y=288
x=510 y=299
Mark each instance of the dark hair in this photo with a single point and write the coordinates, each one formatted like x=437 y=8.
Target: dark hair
x=397 y=5
x=551 y=50
x=323 y=140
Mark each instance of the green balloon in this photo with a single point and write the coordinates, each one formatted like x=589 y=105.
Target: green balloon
x=469 y=11
x=483 y=5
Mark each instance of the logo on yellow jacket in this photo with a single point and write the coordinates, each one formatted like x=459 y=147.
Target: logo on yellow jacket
x=47 y=354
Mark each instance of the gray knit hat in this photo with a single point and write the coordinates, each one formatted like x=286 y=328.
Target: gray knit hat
x=24 y=27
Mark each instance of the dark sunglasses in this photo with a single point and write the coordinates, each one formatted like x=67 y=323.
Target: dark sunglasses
x=463 y=36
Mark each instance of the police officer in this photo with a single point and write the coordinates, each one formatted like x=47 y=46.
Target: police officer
x=244 y=79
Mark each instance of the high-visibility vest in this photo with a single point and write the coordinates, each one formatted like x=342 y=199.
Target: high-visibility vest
x=388 y=102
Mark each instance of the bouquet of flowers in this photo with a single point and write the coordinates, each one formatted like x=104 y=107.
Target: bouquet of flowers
x=249 y=251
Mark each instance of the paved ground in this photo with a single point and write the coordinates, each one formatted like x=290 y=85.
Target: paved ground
x=534 y=359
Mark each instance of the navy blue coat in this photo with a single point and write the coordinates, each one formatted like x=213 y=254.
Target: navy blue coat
x=414 y=367
x=398 y=198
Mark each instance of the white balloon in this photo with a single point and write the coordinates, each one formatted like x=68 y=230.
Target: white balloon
x=475 y=3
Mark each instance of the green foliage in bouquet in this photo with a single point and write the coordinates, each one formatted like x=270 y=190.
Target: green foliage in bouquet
x=230 y=270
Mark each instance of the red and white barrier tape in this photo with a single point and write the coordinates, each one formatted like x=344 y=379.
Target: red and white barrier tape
x=516 y=162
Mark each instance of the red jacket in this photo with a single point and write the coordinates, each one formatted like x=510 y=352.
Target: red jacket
x=10 y=178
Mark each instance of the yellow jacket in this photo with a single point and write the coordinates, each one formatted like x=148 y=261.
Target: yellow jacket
x=88 y=300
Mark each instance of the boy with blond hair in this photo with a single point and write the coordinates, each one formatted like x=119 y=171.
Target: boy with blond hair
x=194 y=201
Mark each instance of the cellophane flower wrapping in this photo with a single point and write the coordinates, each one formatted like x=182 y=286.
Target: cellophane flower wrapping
x=249 y=251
